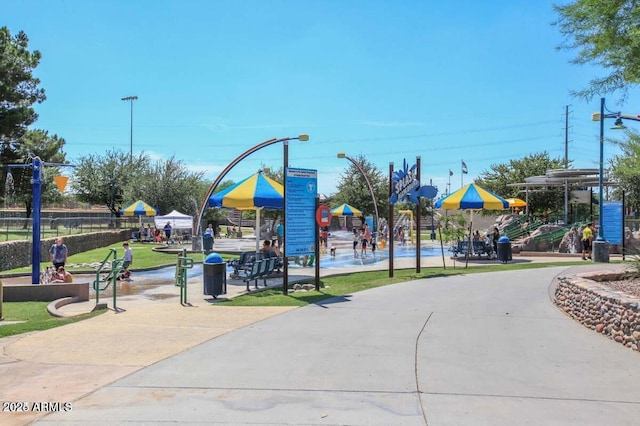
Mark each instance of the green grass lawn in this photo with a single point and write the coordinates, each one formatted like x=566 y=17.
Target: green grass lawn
x=33 y=317
x=343 y=285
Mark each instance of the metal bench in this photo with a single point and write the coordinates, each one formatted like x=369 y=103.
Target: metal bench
x=253 y=274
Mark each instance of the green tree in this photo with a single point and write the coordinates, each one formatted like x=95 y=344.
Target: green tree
x=625 y=169
x=35 y=143
x=353 y=189
x=108 y=179
x=168 y=185
x=500 y=176
x=18 y=92
x=605 y=34
x=18 y=88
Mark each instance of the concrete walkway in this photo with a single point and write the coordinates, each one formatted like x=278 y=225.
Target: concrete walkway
x=471 y=349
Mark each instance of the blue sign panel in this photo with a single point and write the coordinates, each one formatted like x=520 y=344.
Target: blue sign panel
x=612 y=221
x=300 y=198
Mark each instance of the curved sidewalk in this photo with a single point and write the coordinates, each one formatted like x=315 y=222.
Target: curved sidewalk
x=69 y=363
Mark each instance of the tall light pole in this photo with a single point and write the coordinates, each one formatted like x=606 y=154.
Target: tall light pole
x=130 y=99
x=600 y=245
x=366 y=179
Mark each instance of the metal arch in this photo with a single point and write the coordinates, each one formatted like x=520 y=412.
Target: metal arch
x=197 y=226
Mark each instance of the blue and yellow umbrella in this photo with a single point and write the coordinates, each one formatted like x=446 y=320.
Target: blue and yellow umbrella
x=472 y=197
x=256 y=192
x=345 y=210
x=139 y=208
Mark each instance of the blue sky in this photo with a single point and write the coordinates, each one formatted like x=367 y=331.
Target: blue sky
x=478 y=81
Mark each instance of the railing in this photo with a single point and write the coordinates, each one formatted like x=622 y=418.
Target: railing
x=182 y=265
x=111 y=277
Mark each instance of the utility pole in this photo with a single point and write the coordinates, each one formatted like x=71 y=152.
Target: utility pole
x=131 y=99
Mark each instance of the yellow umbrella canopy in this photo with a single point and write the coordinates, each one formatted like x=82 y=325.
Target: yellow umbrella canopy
x=516 y=202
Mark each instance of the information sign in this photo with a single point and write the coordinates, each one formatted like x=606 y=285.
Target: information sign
x=612 y=222
x=300 y=204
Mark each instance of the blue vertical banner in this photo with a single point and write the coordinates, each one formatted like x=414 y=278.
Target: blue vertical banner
x=302 y=189
x=612 y=221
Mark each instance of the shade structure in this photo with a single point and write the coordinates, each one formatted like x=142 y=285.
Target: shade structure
x=178 y=220
x=471 y=197
x=256 y=192
x=139 y=208
x=346 y=210
x=516 y=202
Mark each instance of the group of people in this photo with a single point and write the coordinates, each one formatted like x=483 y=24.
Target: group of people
x=59 y=253
x=363 y=238
x=155 y=234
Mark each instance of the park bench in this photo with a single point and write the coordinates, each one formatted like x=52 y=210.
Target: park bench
x=478 y=248
x=252 y=274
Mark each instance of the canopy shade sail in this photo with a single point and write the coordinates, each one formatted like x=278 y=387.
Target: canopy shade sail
x=256 y=192
x=178 y=220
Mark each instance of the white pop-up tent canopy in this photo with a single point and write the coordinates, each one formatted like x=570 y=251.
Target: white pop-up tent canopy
x=176 y=219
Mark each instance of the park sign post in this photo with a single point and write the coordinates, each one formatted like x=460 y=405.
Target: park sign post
x=406 y=187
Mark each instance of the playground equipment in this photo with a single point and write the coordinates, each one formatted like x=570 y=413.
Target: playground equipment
x=110 y=278
x=410 y=213
x=183 y=263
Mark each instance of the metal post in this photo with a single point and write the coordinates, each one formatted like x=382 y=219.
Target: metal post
x=317 y=246
x=390 y=225
x=36 y=245
x=433 y=231
x=600 y=245
x=418 y=213
x=131 y=99
x=285 y=267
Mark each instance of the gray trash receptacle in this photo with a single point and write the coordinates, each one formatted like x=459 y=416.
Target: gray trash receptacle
x=214 y=274
x=504 y=250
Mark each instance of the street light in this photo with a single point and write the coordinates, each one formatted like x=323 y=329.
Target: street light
x=131 y=99
x=366 y=179
x=600 y=245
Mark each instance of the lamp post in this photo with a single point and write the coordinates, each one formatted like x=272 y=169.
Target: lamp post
x=600 y=245
x=366 y=179
x=130 y=99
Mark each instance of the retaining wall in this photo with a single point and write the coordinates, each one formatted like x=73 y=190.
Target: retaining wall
x=586 y=298
x=16 y=254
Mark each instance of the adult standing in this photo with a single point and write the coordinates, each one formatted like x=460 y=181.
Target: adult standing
x=58 y=253
x=495 y=238
x=587 y=239
x=208 y=237
x=167 y=231
x=280 y=233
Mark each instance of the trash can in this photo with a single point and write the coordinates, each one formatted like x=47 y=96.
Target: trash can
x=504 y=249
x=207 y=243
x=214 y=273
